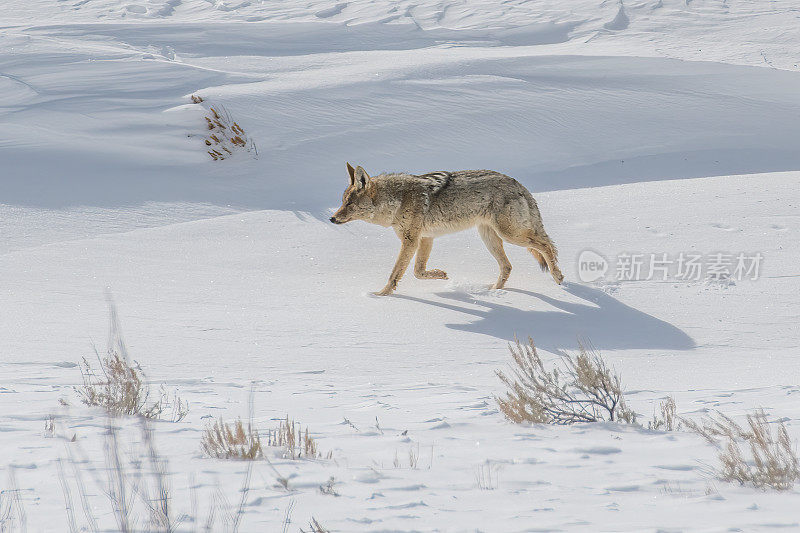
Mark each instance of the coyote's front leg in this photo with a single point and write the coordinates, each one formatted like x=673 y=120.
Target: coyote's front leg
x=421 y=264
x=410 y=243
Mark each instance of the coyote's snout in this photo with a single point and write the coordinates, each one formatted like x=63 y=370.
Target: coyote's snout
x=422 y=207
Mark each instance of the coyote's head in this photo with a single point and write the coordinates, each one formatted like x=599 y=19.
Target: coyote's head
x=357 y=202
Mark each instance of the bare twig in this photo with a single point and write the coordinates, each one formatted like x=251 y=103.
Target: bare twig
x=117 y=490
x=87 y=508
x=245 y=490
x=287 y=518
x=666 y=420
x=160 y=512
x=67 y=497
x=15 y=505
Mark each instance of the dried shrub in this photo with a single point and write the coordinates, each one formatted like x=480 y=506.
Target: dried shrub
x=225 y=136
x=771 y=462
x=666 y=419
x=585 y=391
x=231 y=441
x=289 y=435
x=120 y=390
x=120 y=387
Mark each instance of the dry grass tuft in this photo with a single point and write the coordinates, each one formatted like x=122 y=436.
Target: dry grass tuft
x=231 y=441
x=586 y=390
x=290 y=435
x=666 y=419
x=413 y=458
x=120 y=387
x=120 y=390
x=771 y=462
x=225 y=135
x=315 y=527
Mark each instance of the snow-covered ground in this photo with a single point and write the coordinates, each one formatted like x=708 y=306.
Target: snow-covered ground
x=659 y=127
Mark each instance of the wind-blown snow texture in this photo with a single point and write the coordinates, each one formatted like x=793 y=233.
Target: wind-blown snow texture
x=663 y=126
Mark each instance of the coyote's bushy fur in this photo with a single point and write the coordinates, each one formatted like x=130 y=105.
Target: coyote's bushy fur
x=422 y=207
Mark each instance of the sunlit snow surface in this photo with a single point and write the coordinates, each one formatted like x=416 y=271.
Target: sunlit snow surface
x=669 y=127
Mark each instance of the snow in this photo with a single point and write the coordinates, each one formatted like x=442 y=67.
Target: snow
x=653 y=127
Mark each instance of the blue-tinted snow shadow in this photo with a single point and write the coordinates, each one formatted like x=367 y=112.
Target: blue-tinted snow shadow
x=601 y=318
x=285 y=38
x=552 y=122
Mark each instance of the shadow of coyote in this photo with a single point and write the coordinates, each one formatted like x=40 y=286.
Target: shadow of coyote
x=422 y=207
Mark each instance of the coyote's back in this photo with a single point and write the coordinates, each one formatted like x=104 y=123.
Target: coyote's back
x=473 y=195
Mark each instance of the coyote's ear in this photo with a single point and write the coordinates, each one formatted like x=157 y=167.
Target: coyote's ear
x=352 y=172
x=361 y=177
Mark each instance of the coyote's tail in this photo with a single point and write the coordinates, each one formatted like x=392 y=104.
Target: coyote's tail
x=551 y=249
x=540 y=238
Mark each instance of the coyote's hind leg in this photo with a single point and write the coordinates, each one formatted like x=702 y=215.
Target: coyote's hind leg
x=495 y=245
x=539 y=259
x=538 y=242
x=421 y=263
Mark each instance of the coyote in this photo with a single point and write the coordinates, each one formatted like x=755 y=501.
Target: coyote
x=422 y=207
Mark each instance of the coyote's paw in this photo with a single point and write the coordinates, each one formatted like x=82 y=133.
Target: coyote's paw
x=386 y=291
x=432 y=274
